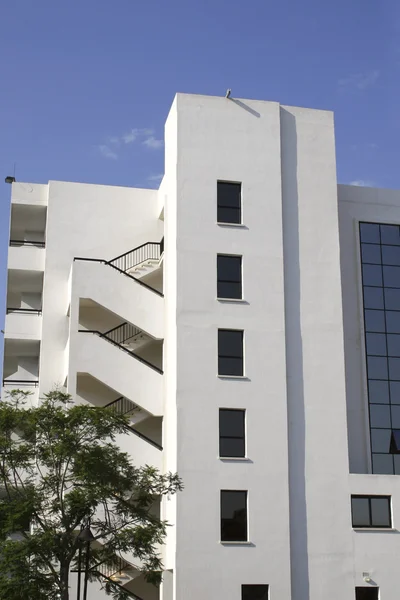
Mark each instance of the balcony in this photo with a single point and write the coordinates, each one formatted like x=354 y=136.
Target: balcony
x=26 y=255
x=29 y=194
x=23 y=324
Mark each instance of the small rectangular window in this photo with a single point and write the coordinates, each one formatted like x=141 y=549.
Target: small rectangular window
x=231 y=433
x=229 y=276
x=233 y=516
x=367 y=593
x=229 y=202
x=255 y=592
x=230 y=352
x=371 y=511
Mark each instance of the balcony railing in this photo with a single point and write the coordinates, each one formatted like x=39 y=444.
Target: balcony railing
x=132 y=258
x=122 y=333
x=25 y=311
x=118 y=336
x=21 y=382
x=27 y=243
x=122 y=406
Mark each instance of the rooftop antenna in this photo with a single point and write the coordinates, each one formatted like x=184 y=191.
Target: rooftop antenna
x=228 y=93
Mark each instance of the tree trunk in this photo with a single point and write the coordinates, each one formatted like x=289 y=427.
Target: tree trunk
x=64 y=581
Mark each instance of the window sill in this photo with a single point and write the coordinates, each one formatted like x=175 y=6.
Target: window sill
x=232 y=300
x=239 y=225
x=382 y=529
x=235 y=458
x=240 y=377
x=236 y=543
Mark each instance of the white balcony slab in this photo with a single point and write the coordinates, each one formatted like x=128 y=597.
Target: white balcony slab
x=23 y=326
x=26 y=258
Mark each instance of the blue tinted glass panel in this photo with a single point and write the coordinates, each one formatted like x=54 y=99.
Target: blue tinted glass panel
x=371 y=253
x=372 y=275
x=369 y=232
x=373 y=297
x=378 y=392
x=390 y=234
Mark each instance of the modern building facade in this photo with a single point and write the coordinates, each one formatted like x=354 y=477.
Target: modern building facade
x=246 y=316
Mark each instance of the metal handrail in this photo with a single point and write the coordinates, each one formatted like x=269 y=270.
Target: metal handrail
x=122 y=333
x=121 y=402
x=112 y=566
x=139 y=358
x=24 y=382
x=120 y=406
x=27 y=243
x=29 y=311
x=145 y=438
x=139 y=281
x=136 y=249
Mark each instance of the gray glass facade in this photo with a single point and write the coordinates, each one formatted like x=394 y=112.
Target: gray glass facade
x=380 y=258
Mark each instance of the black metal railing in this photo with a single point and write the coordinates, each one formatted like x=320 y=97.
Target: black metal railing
x=27 y=243
x=145 y=438
x=122 y=347
x=23 y=382
x=137 y=256
x=122 y=406
x=122 y=333
x=112 y=567
x=25 y=311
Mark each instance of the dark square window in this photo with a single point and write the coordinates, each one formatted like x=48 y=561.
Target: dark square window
x=254 y=592
x=232 y=433
x=229 y=201
x=233 y=516
x=229 y=276
x=367 y=593
x=371 y=511
x=230 y=352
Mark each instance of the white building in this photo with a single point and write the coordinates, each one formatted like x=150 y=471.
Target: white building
x=240 y=352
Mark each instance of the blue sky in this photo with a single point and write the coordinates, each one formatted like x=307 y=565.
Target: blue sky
x=87 y=84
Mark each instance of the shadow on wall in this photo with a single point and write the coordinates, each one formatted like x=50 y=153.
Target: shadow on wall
x=294 y=361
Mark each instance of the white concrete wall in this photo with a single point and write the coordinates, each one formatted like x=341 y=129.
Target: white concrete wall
x=321 y=561
x=374 y=552
x=92 y=221
x=29 y=193
x=209 y=139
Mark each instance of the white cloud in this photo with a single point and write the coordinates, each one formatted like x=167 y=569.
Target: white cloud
x=156 y=178
x=144 y=134
x=359 y=81
x=107 y=152
x=362 y=183
x=153 y=143
x=133 y=134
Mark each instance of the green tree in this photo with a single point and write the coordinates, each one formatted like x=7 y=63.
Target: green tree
x=60 y=467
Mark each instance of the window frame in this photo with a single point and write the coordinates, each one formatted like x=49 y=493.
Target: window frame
x=369 y=498
x=230 y=437
x=240 y=208
x=241 y=331
x=247 y=585
x=237 y=541
x=369 y=588
x=236 y=256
